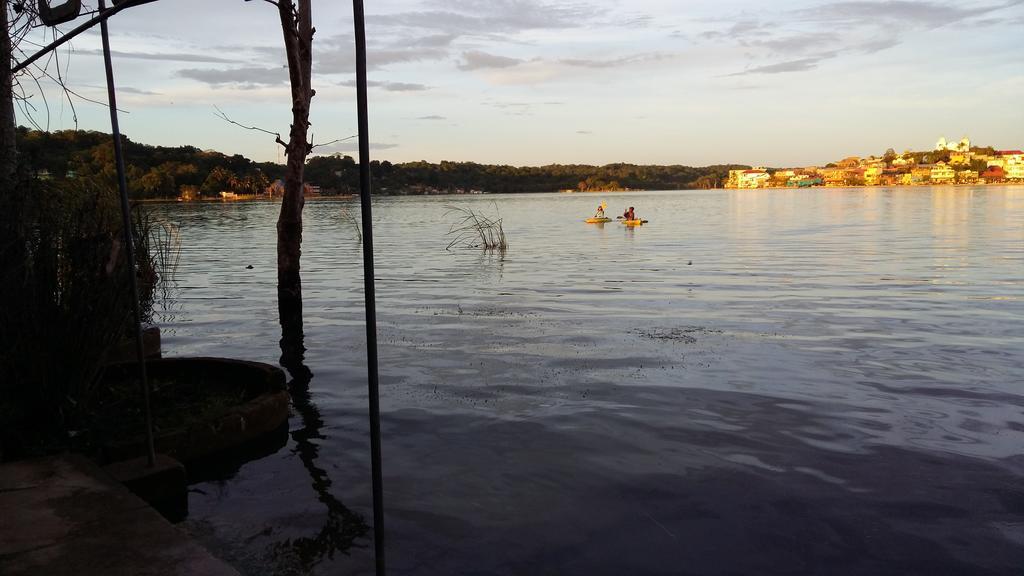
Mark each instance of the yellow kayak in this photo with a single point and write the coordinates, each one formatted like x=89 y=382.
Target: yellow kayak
x=634 y=222
x=597 y=220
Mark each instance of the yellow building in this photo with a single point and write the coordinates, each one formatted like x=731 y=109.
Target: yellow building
x=834 y=176
x=966 y=177
x=921 y=174
x=942 y=174
x=756 y=178
x=1015 y=171
x=873 y=175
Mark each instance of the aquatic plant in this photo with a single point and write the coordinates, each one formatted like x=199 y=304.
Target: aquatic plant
x=158 y=251
x=352 y=220
x=64 y=284
x=475 y=229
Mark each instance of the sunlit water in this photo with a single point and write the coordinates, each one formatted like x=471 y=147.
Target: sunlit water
x=823 y=381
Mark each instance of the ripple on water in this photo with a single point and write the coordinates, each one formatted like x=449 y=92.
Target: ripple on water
x=833 y=384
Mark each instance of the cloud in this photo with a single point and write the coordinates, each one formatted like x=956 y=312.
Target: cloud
x=249 y=76
x=919 y=14
x=799 y=65
x=520 y=108
x=842 y=27
x=739 y=29
x=476 y=60
x=338 y=55
x=432 y=41
x=584 y=132
x=463 y=30
x=170 y=56
x=401 y=86
x=506 y=105
x=513 y=108
x=122 y=89
x=792 y=44
x=432 y=117
x=389 y=86
x=878 y=45
x=352 y=146
x=489 y=17
x=130 y=90
x=615 y=62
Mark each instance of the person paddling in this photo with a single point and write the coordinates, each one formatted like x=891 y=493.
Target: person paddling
x=600 y=211
x=628 y=214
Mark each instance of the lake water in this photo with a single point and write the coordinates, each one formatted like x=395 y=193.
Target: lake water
x=825 y=381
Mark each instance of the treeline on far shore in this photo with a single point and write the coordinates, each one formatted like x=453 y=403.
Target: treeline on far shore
x=172 y=172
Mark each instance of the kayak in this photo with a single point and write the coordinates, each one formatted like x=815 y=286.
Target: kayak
x=634 y=222
x=597 y=220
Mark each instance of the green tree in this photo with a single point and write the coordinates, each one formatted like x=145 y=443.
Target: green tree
x=219 y=179
x=889 y=156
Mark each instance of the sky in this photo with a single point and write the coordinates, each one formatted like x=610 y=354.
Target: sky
x=534 y=82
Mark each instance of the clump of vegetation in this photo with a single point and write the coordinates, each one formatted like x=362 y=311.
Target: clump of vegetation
x=178 y=403
x=64 y=284
x=475 y=229
x=157 y=253
x=350 y=218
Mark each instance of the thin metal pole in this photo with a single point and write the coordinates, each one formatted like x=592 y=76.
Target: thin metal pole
x=126 y=221
x=368 y=287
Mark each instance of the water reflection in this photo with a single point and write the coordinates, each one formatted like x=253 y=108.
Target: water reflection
x=838 y=391
x=343 y=528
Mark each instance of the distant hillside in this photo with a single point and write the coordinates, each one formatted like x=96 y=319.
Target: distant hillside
x=153 y=171
x=166 y=172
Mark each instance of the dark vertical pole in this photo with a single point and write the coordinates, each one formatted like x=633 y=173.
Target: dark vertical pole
x=368 y=287
x=126 y=221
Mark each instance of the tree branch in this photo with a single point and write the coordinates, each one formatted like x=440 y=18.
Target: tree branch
x=220 y=114
x=335 y=141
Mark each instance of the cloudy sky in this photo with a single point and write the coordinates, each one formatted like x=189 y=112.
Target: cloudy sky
x=593 y=81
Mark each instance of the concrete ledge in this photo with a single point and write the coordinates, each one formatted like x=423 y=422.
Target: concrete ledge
x=163 y=486
x=64 y=515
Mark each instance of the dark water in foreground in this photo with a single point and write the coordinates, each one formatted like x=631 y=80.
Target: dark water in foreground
x=757 y=382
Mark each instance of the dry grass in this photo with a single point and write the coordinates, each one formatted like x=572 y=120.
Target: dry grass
x=475 y=229
x=352 y=220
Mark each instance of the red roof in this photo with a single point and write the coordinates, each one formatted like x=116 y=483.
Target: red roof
x=1009 y=152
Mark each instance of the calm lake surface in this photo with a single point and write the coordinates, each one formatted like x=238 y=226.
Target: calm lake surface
x=824 y=381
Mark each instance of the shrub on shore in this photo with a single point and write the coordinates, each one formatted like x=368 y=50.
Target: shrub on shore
x=64 y=286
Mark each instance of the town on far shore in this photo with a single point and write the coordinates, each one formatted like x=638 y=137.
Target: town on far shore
x=949 y=163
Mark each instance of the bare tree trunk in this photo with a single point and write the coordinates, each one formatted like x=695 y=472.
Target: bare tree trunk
x=8 y=145
x=297 y=25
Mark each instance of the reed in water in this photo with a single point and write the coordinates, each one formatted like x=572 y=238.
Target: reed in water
x=475 y=230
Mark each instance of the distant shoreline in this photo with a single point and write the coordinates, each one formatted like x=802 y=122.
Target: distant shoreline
x=879 y=186
x=773 y=188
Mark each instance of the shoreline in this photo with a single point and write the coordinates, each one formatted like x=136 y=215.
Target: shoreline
x=985 y=184
x=354 y=196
